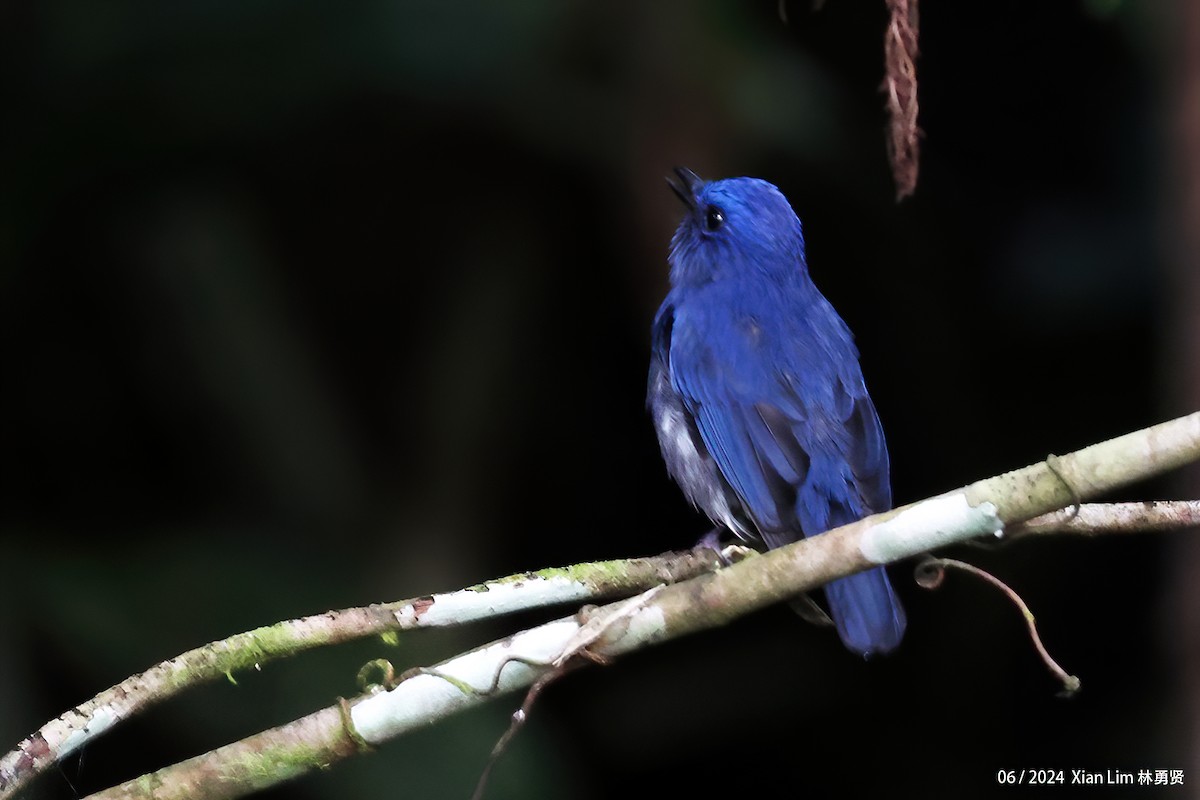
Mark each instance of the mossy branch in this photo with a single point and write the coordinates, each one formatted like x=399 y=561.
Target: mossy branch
x=704 y=601
x=579 y=583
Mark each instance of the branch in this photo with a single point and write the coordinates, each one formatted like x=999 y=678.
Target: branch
x=1095 y=519
x=707 y=601
x=581 y=582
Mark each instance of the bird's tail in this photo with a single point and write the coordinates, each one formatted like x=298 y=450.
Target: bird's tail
x=866 y=612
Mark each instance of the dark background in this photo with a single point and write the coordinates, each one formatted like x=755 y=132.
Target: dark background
x=308 y=305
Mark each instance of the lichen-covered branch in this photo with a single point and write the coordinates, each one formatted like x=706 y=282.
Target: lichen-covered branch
x=254 y=763
x=706 y=601
x=575 y=584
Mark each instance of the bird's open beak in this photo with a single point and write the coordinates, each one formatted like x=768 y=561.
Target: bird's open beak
x=685 y=185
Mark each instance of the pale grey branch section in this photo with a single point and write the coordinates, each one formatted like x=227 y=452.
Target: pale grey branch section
x=707 y=601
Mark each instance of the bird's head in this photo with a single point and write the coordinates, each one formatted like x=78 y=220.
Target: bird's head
x=736 y=226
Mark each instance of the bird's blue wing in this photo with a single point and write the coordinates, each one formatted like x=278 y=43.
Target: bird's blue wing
x=763 y=471
x=799 y=464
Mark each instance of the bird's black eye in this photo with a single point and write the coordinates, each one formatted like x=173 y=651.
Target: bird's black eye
x=714 y=218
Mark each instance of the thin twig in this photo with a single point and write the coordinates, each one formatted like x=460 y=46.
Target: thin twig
x=930 y=573
x=596 y=623
x=519 y=718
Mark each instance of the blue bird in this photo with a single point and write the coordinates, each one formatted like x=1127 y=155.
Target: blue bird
x=756 y=392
